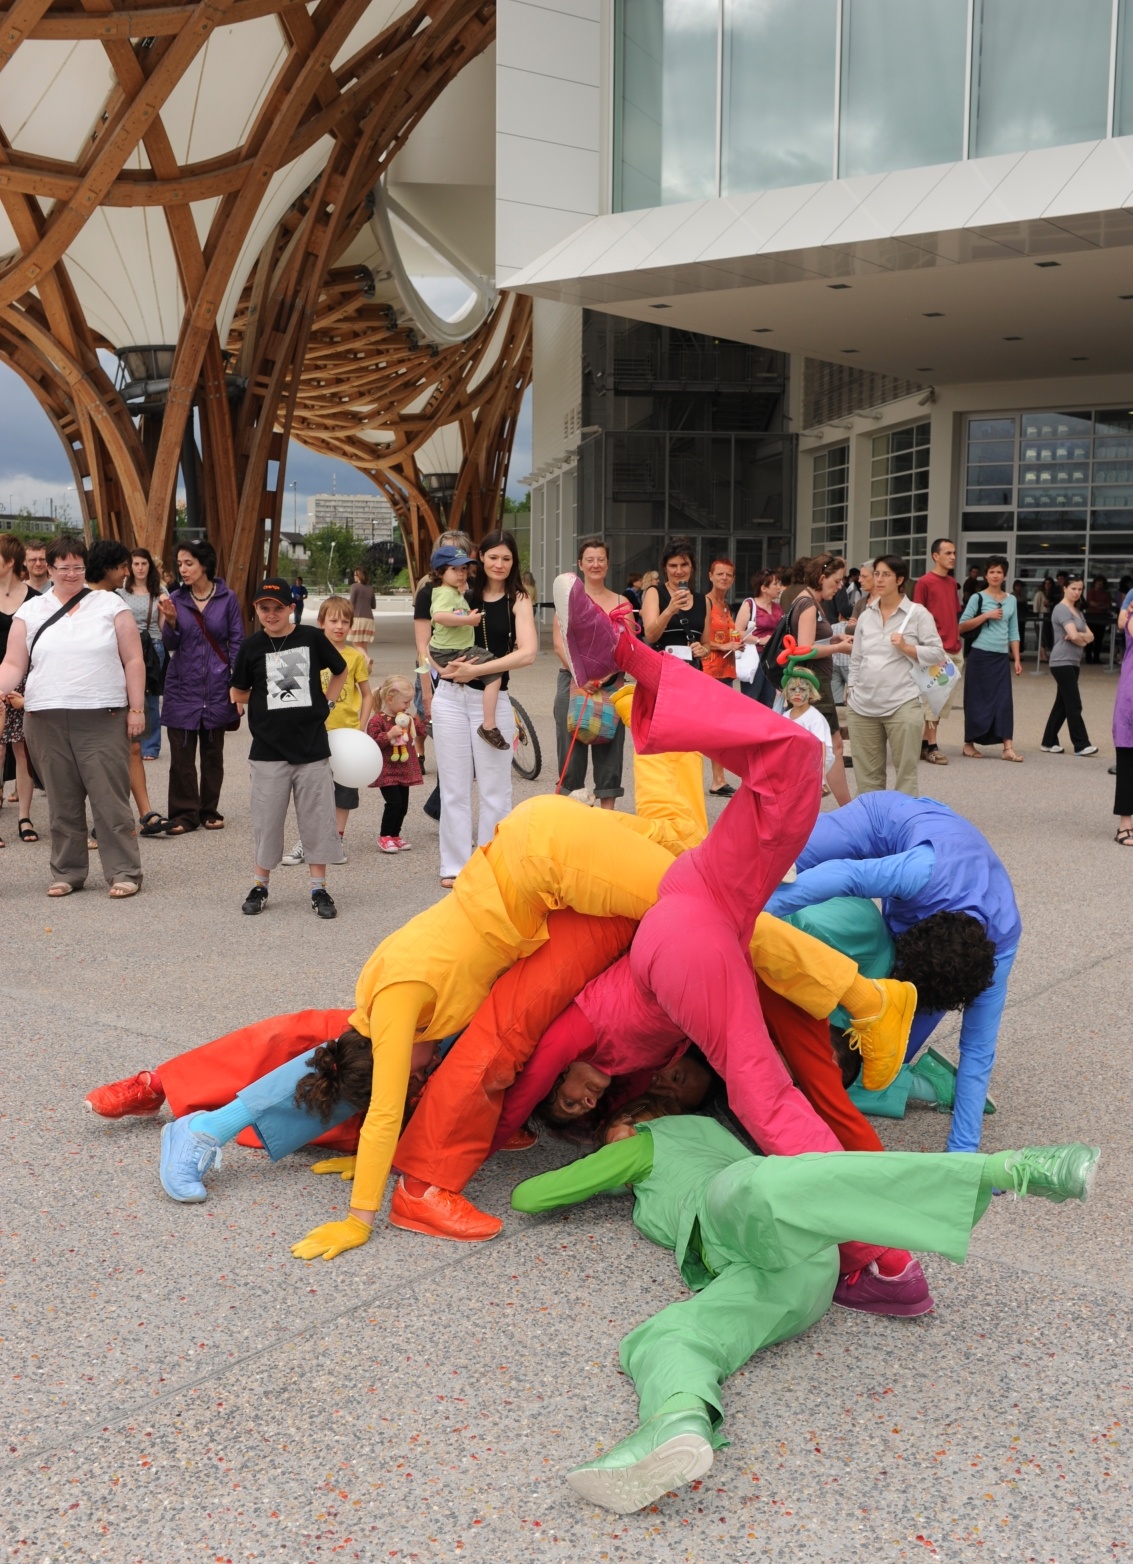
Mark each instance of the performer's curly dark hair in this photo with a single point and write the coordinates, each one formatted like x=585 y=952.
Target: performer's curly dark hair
x=950 y=959
x=342 y=1068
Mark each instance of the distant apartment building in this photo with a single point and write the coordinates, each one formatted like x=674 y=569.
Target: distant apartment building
x=369 y=516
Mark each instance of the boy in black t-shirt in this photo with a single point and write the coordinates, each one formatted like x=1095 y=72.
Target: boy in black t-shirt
x=277 y=676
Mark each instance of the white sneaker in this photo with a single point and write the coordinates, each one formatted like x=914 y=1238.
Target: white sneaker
x=1090 y=749
x=294 y=856
x=584 y=796
x=1051 y=749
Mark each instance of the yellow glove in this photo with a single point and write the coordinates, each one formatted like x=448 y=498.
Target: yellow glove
x=343 y=1165
x=332 y=1239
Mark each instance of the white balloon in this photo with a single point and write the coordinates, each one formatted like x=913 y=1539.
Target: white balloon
x=355 y=760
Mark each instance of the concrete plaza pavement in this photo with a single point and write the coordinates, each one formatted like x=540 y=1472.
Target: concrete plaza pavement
x=177 y=1387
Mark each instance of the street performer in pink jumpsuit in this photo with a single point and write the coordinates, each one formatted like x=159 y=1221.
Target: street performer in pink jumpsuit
x=689 y=968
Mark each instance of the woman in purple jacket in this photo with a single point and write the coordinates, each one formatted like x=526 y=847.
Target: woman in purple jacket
x=202 y=628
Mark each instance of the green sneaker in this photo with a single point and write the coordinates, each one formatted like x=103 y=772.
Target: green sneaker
x=670 y=1449
x=1056 y=1173
x=940 y=1073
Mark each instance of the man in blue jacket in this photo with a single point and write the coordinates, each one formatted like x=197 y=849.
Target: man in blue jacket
x=948 y=902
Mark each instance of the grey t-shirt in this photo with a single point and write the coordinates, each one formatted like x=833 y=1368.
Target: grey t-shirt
x=1064 y=653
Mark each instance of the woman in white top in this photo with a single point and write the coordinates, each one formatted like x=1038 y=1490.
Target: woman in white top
x=83 y=702
x=883 y=701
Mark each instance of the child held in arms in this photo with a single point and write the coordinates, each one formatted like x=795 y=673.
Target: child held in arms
x=454 y=631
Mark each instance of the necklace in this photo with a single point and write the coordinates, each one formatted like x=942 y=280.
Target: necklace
x=198 y=599
x=282 y=643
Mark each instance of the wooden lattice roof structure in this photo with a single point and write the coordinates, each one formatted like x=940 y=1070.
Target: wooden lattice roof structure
x=199 y=178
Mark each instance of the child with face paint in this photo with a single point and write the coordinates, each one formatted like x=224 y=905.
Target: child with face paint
x=800 y=686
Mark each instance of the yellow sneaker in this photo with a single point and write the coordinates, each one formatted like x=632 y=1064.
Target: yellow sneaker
x=882 y=1039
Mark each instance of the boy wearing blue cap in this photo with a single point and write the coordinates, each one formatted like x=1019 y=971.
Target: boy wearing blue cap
x=453 y=636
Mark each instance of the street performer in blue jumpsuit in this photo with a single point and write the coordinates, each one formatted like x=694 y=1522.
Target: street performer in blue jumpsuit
x=940 y=884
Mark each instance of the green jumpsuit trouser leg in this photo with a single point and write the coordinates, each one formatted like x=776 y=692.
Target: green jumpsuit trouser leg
x=769 y=1229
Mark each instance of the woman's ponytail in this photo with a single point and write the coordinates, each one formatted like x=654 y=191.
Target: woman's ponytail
x=342 y=1070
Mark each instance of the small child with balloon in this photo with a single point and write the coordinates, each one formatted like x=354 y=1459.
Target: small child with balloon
x=355 y=702
x=392 y=727
x=278 y=677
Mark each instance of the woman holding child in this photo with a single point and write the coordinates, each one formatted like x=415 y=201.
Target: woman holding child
x=507 y=629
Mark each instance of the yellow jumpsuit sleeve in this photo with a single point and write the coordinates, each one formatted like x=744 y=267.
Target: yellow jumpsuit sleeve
x=394 y=1020
x=811 y=975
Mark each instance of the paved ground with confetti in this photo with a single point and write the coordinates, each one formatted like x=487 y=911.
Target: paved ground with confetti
x=177 y=1387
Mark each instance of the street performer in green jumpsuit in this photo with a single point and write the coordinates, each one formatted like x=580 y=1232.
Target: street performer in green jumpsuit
x=756 y=1240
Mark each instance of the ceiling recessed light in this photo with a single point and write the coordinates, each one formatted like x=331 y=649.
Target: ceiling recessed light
x=850 y=350
x=1043 y=265
x=1080 y=359
x=1012 y=339
x=1125 y=295
x=838 y=286
x=923 y=369
x=759 y=330
x=660 y=306
x=933 y=314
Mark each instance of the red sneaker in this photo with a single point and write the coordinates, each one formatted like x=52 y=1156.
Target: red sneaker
x=522 y=1140
x=133 y=1097
x=440 y=1213
x=904 y=1296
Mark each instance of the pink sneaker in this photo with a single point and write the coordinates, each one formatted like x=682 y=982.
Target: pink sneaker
x=589 y=634
x=388 y=844
x=402 y=845
x=905 y=1295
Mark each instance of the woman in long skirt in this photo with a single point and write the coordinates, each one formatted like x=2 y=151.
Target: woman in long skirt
x=992 y=658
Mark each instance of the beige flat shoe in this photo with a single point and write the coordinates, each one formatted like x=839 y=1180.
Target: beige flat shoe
x=61 y=888
x=123 y=888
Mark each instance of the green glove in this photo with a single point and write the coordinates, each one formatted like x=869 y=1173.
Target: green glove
x=343 y=1165
x=332 y=1239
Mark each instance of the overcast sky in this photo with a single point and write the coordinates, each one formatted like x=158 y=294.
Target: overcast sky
x=34 y=471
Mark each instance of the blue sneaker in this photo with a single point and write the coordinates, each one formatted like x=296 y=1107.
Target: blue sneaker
x=186 y=1156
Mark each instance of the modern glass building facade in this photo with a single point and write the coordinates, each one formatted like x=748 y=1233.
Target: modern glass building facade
x=684 y=436
x=721 y=97
x=1051 y=490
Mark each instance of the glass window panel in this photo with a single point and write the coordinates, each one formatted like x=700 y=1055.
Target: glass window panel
x=1117 y=546
x=1040 y=74
x=666 y=102
x=1003 y=473
x=991 y=450
x=1046 y=426
x=902 y=84
x=1069 y=543
x=988 y=521
x=1111 y=520
x=778 y=117
x=1115 y=421
x=1123 y=94
x=1052 y=520
x=991 y=429
x=994 y=497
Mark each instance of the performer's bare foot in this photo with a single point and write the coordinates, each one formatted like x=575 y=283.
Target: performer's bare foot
x=441 y=1213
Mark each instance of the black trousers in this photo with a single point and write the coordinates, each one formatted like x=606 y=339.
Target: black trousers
x=1067 y=708
x=397 y=805
x=1123 y=792
x=191 y=803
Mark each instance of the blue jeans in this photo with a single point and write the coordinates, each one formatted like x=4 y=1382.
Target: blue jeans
x=151 y=744
x=979 y=1032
